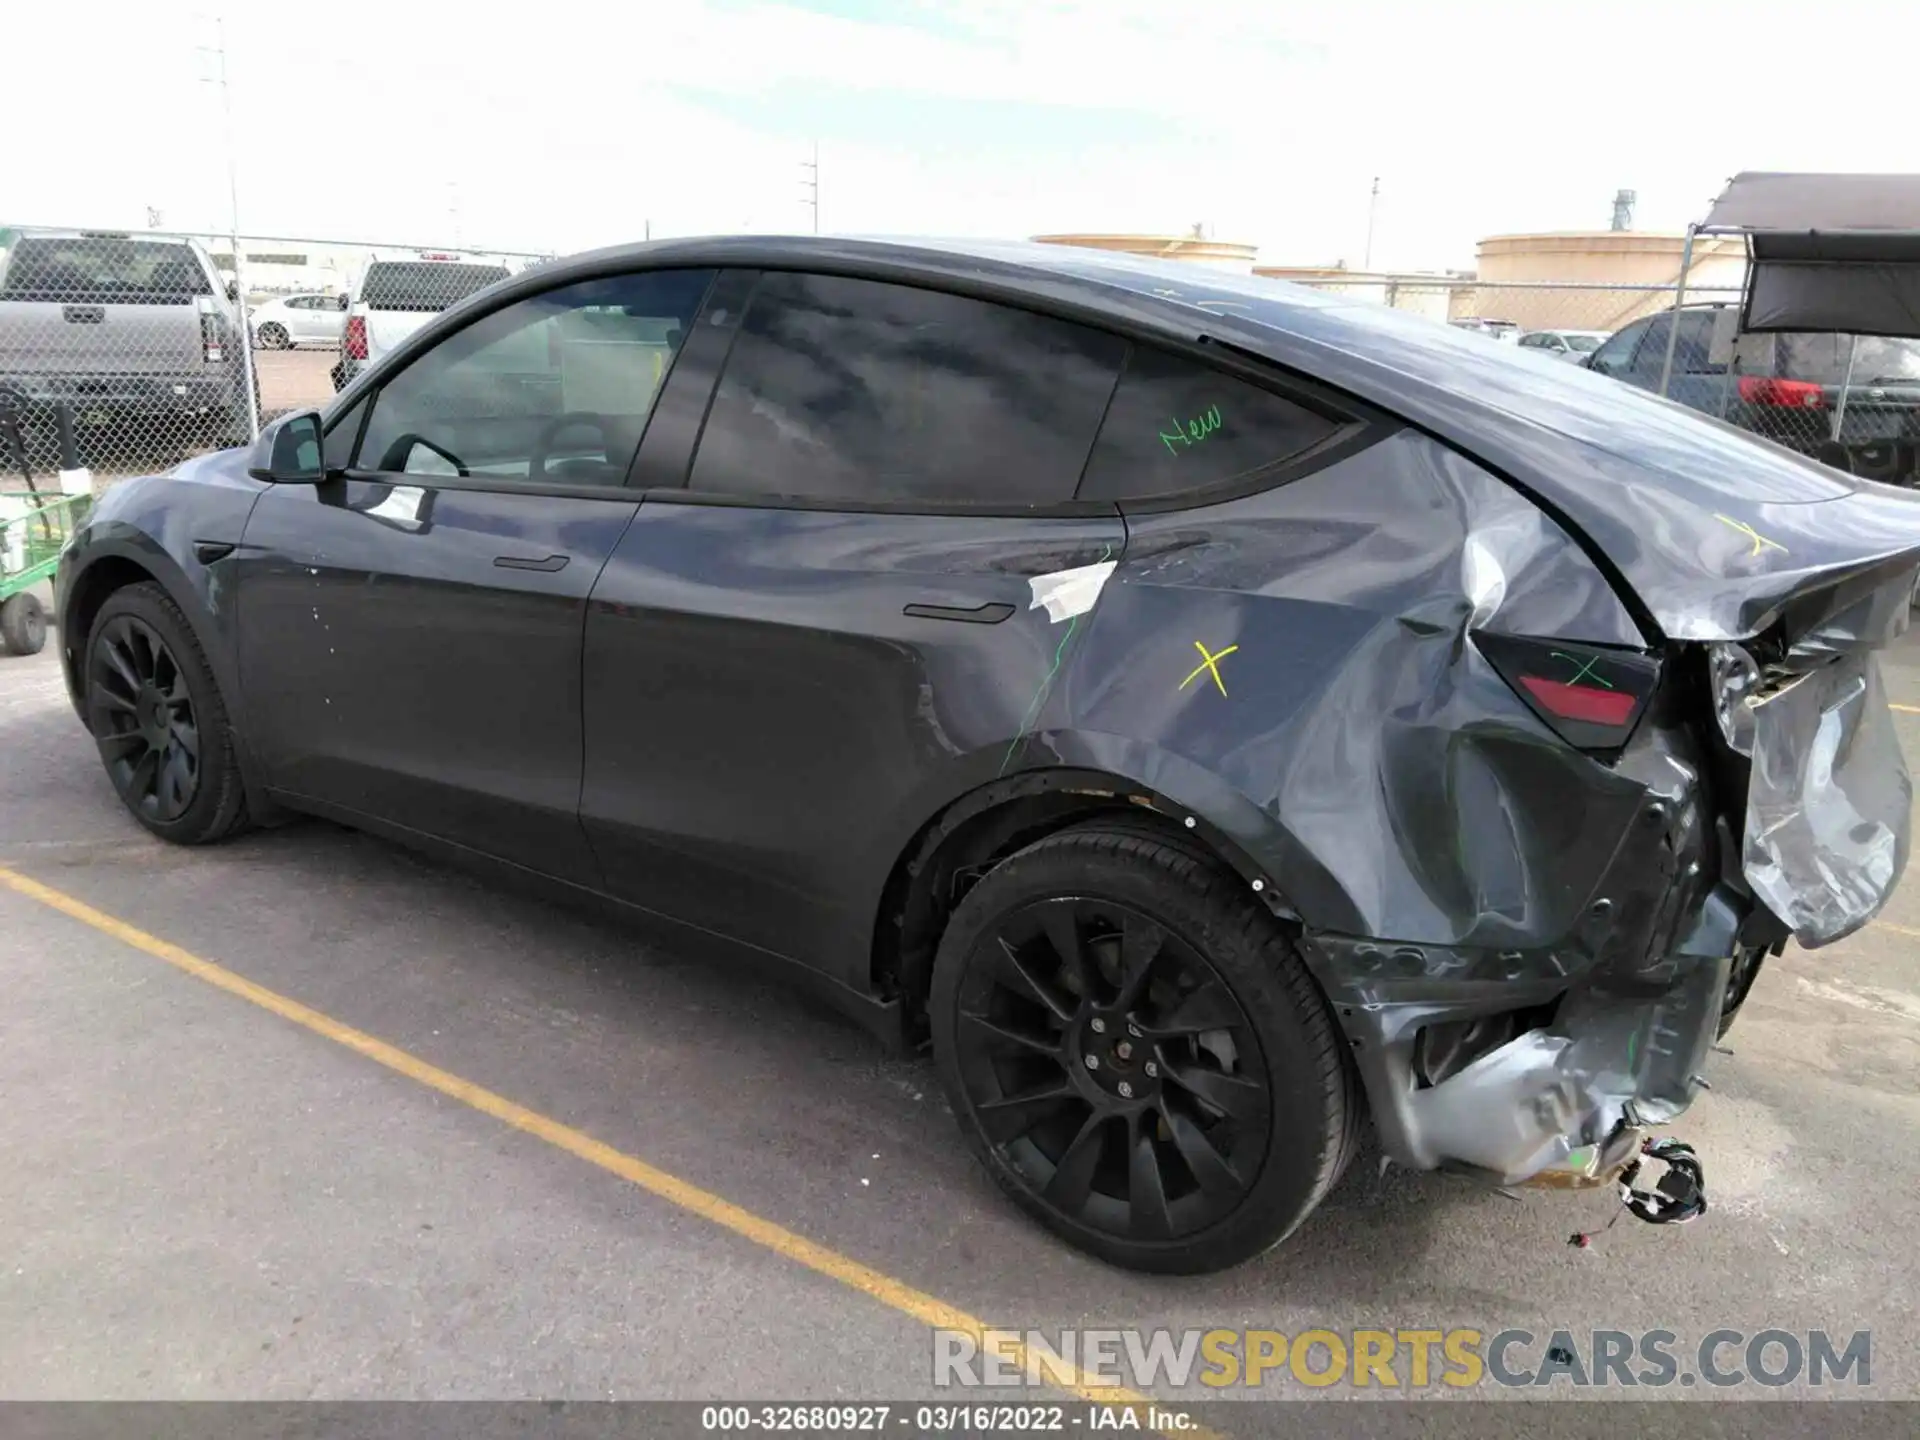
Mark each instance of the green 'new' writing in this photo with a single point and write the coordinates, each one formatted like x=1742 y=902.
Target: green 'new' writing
x=1193 y=432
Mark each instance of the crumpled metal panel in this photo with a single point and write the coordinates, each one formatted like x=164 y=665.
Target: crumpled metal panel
x=1407 y=791
x=1829 y=802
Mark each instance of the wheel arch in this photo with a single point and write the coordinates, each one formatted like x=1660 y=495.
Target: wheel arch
x=116 y=562
x=1184 y=805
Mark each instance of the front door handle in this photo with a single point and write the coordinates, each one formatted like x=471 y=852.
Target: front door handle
x=528 y=562
x=990 y=613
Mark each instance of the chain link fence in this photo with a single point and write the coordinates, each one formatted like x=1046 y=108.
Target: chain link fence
x=148 y=347
x=125 y=352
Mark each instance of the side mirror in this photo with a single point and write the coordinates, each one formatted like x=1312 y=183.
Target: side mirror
x=289 y=453
x=343 y=302
x=233 y=289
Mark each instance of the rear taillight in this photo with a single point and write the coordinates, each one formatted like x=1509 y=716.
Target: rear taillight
x=213 y=337
x=354 y=340
x=1793 y=394
x=1591 y=697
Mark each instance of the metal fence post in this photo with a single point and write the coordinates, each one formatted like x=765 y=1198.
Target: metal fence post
x=1679 y=297
x=1846 y=384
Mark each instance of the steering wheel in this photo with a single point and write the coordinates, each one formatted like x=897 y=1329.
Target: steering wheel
x=543 y=443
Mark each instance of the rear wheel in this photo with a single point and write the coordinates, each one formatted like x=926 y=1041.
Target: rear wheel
x=23 y=624
x=1137 y=1055
x=274 y=337
x=159 y=720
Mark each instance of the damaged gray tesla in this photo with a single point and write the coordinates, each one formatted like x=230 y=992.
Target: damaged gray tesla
x=1211 y=715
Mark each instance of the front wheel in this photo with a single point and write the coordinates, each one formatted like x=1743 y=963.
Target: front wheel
x=274 y=337
x=159 y=720
x=1137 y=1055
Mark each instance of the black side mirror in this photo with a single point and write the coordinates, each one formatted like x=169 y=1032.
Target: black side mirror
x=343 y=302
x=289 y=452
x=233 y=289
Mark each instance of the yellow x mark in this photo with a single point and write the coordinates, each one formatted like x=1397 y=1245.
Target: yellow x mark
x=1760 y=542
x=1209 y=664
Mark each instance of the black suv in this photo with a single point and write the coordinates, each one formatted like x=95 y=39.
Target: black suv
x=1786 y=387
x=1204 y=712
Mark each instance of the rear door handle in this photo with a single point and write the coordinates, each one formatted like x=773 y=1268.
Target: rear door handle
x=528 y=562
x=990 y=613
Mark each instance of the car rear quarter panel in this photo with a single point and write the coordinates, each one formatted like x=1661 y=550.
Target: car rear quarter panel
x=1348 y=735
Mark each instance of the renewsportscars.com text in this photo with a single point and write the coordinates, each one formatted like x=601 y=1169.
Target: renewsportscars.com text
x=1409 y=1359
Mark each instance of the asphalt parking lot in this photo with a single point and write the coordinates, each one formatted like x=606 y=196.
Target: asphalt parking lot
x=211 y=1193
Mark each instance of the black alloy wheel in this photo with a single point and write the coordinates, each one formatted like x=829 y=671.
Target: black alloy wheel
x=1136 y=1053
x=160 y=720
x=1114 y=1069
x=148 y=732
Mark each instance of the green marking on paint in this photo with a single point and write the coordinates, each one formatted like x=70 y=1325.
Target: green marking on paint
x=1586 y=669
x=1046 y=681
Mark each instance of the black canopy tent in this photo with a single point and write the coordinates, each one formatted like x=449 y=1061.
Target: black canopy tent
x=1826 y=254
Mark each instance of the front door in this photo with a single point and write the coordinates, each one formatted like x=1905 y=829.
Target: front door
x=411 y=629
x=835 y=628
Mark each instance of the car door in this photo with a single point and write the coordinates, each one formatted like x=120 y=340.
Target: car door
x=410 y=629
x=305 y=318
x=836 y=626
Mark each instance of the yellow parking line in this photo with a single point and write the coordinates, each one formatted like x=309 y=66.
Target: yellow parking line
x=1904 y=709
x=1906 y=930
x=868 y=1281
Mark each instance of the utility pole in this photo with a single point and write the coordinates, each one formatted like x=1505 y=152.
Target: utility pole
x=812 y=185
x=1373 y=209
x=243 y=332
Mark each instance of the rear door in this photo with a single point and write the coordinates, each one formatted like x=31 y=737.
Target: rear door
x=97 y=304
x=837 y=626
x=410 y=629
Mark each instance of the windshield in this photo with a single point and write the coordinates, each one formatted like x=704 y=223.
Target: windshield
x=1877 y=359
x=424 y=285
x=103 y=271
x=1585 y=344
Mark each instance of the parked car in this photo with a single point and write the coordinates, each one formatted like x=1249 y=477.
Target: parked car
x=132 y=331
x=1207 y=713
x=289 y=320
x=1571 y=345
x=399 y=294
x=1786 y=387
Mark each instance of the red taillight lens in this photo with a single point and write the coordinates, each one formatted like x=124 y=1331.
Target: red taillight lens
x=212 y=338
x=1590 y=697
x=1794 y=394
x=1581 y=702
x=354 y=341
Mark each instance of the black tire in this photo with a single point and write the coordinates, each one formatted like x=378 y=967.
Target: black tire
x=1131 y=894
x=148 y=686
x=274 y=337
x=23 y=624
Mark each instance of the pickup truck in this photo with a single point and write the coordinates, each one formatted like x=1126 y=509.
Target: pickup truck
x=139 y=334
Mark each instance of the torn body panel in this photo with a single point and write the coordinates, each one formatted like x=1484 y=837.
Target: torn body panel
x=1528 y=943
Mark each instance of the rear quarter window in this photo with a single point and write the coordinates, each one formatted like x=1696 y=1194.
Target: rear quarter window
x=1176 y=426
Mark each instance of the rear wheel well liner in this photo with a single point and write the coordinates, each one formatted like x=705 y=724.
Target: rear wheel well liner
x=973 y=833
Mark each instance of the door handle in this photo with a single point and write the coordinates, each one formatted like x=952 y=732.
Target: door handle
x=527 y=562
x=990 y=613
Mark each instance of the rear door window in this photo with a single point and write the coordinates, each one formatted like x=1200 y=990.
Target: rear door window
x=95 y=270
x=1177 y=426
x=424 y=286
x=862 y=393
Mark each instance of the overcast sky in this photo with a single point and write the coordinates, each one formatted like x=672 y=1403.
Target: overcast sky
x=557 y=125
